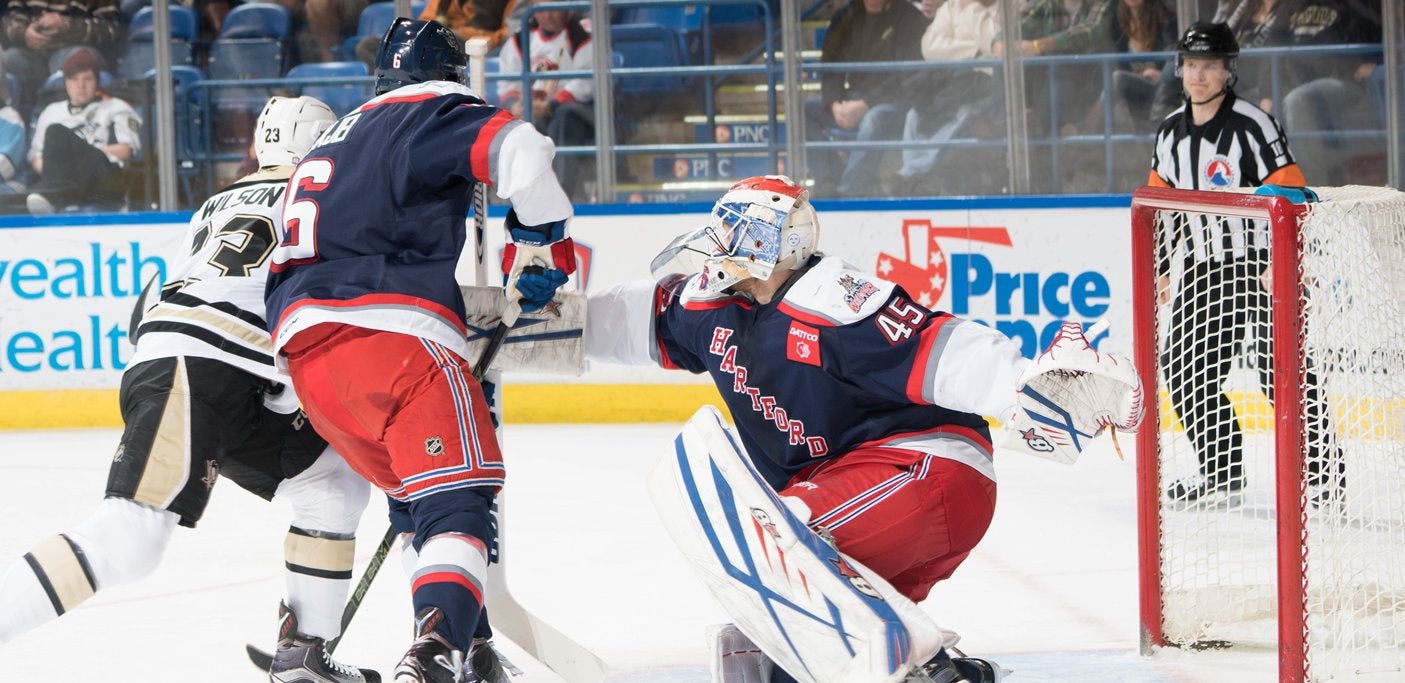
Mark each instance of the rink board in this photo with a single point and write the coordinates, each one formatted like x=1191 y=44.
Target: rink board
x=1020 y=264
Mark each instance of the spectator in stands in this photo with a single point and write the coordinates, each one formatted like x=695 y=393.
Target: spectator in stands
x=1334 y=94
x=12 y=162
x=320 y=26
x=871 y=104
x=472 y=18
x=1062 y=27
x=557 y=41
x=951 y=99
x=82 y=144
x=41 y=34
x=1139 y=26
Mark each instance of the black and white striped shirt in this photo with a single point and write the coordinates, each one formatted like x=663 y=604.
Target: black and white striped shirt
x=1242 y=146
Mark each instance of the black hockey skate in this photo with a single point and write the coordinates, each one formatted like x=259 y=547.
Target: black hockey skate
x=1196 y=491
x=947 y=669
x=431 y=659
x=487 y=665
x=304 y=659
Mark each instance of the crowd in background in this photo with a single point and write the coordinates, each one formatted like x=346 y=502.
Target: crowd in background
x=43 y=39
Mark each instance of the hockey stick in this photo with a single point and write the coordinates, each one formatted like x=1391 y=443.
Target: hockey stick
x=537 y=638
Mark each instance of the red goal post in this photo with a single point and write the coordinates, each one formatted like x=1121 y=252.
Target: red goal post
x=1277 y=564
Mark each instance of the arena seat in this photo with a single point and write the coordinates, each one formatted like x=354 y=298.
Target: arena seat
x=341 y=98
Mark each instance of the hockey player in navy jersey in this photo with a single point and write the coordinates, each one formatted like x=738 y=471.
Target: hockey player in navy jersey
x=200 y=399
x=368 y=317
x=861 y=407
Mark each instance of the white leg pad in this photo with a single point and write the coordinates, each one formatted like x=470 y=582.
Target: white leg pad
x=817 y=614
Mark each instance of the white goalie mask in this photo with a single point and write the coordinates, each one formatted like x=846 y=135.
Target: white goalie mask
x=760 y=224
x=288 y=128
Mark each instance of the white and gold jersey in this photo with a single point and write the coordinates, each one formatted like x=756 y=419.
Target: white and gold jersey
x=212 y=305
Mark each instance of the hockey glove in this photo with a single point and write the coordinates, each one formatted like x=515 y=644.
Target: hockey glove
x=1069 y=395
x=537 y=262
x=535 y=287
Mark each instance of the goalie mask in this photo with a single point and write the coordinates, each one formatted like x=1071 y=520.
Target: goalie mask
x=288 y=128
x=761 y=224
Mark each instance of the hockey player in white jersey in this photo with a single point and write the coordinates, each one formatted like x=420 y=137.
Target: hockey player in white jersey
x=860 y=471
x=201 y=398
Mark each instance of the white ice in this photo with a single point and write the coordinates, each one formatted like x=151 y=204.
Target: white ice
x=1051 y=593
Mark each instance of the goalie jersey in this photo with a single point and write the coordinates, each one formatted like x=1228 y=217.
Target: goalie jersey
x=212 y=306
x=837 y=361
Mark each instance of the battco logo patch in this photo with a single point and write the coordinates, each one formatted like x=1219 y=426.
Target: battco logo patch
x=434 y=446
x=803 y=344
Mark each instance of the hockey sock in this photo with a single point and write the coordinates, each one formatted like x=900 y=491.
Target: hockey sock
x=52 y=578
x=319 y=565
x=121 y=542
x=450 y=576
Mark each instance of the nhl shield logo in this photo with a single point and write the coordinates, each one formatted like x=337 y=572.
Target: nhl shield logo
x=434 y=446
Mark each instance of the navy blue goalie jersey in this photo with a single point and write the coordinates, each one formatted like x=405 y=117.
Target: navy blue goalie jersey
x=838 y=361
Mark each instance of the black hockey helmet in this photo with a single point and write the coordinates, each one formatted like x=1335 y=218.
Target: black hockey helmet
x=418 y=51
x=1204 y=39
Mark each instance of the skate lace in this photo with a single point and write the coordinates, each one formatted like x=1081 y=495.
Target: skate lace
x=338 y=667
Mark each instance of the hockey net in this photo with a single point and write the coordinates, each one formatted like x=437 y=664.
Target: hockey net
x=1262 y=522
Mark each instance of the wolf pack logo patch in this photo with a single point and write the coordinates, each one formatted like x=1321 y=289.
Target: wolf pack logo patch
x=856 y=291
x=803 y=344
x=1036 y=442
x=434 y=446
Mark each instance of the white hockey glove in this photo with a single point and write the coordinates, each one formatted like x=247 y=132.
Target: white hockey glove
x=1069 y=395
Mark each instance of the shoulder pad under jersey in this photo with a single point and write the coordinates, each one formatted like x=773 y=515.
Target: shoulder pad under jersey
x=835 y=293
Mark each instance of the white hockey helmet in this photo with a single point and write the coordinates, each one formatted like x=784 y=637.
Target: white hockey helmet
x=288 y=127
x=762 y=223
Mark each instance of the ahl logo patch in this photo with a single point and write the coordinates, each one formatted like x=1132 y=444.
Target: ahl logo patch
x=1035 y=442
x=434 y=446
x=803 y=344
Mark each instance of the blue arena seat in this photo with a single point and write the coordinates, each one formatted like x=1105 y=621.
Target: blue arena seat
x=341 y=98
x=374 y=21
x=647 y=46
x=141 y=50
x=257 y=20
x=184 y=24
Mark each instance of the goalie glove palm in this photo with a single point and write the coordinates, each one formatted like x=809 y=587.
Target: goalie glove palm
x=1070 y=394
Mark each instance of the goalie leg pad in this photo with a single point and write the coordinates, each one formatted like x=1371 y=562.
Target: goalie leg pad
x=818 y=615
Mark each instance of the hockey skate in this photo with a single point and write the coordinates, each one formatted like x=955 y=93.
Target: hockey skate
x=487 y=665
x=304 y=659
x=1202 y=492
x=947 y=669
x=431 y=659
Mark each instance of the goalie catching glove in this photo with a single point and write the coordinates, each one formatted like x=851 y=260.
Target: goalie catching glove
x=536 y=262
x=1069 y=395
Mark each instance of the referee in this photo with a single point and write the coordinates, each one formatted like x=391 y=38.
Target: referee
x=1216 y=141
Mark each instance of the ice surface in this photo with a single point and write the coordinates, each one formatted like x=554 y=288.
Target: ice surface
x=1051 y=593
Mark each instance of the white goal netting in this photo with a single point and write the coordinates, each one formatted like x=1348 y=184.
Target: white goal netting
x=1220 y=463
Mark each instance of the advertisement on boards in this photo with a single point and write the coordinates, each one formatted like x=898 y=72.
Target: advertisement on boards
x=66 y=298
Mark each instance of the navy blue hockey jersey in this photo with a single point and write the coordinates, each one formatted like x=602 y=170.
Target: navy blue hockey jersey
x=374 y=221
x=839 y=360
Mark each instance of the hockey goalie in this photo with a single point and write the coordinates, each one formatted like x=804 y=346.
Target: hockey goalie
x=860 y=469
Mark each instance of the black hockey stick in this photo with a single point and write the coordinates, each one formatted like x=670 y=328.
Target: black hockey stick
x=263 y=659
